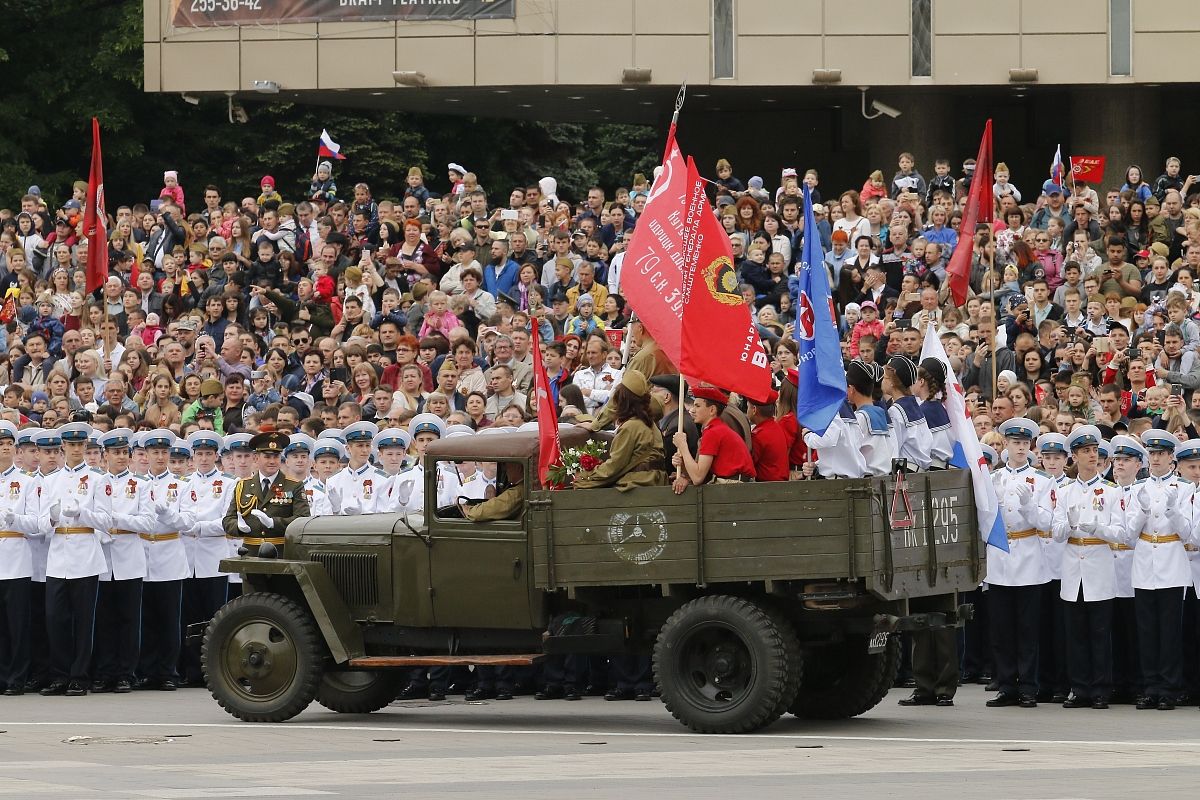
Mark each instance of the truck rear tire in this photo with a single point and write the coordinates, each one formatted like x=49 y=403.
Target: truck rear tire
x=722 y=665
x=263 y=657
x=843 y=680
x=359 y=691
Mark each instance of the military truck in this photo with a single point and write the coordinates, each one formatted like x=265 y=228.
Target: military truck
x=754 y=599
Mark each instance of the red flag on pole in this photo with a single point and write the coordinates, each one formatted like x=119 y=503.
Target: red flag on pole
x=978 y=209
x=95 y=218
x=677 y=247
x=549 y=451
x=720 y=342
x=1087 y=168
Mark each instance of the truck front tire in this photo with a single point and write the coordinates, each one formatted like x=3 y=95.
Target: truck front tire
x=724 y=665
x=357 y=691
x=263 y=657
x=843 y=680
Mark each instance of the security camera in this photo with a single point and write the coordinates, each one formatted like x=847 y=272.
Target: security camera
x=885 y=109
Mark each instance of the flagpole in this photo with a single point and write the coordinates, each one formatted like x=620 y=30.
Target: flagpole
x=679 y=101
x=995 y=311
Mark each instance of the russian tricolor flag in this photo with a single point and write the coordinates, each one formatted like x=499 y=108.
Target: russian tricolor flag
x=967 y=452
x=328 y=148
x=1056 y=167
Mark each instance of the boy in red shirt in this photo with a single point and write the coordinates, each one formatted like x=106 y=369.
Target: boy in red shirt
x=768 y=441
x=723 y=454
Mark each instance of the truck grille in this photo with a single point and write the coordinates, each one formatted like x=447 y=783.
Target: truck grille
x=355 y=575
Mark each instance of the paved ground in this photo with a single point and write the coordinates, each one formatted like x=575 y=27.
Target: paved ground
x=175 y=747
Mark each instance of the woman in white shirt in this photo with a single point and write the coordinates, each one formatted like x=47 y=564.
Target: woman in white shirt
x=852 y=221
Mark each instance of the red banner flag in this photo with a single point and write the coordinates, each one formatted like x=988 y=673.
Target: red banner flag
x=95 y=218
x=549 y=450
x=1087 y=168
x=978 y=209
x=679 y=245
x=720 y=342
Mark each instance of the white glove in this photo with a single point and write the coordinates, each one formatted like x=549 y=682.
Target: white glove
x=1088 y=523
x=9 y=518
x=262 y=517
x=71 y=511
x=55 y=512
x=1022 y=491
x=334 y=496
x=161 y=510
x=1172 y=495
x=242 y=525
x=1143 y=496
x=1073 y=518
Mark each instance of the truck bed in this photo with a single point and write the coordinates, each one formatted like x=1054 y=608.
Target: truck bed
x=796 y=530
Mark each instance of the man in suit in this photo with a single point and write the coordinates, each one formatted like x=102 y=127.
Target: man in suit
x=267 y=501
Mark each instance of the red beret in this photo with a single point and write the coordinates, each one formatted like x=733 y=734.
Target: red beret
x=710 y=393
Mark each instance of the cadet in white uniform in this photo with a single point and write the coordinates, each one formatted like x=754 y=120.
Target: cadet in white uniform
x=391 y=447
x=1015 y=577
x=1128 y=457
x=297 y=464
x=125 y=498
x=1088 y=518
x=237 y=463
x=931 y=389
x=1157 y=520
x=426 y=428
x=166 y=568
x=328 y=455
x=354 y=489
x=75 y=560
x=202 y=506
x=1188 y=462
x=16 y=564
x=1052 y=653
x=28 y=462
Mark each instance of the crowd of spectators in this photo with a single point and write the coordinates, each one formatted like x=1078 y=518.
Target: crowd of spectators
x=336 y=306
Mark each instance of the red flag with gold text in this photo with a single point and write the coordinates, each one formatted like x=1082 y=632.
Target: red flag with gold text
x=719 y=341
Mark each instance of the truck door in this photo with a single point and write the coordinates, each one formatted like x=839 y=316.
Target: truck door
x=480 y=572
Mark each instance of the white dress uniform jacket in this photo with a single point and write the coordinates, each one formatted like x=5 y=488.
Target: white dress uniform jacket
x=1159 y=507
x=19 y=496
x=359 y=488
x=410 y=489
x=166 y=559
x=1052 y=547
x=126 y=500
x=74 y=555
x=839 y=449
x=1087 y=519
x=1025 y=506
x=1123 y=552
x=318 y=501
x=202 y=504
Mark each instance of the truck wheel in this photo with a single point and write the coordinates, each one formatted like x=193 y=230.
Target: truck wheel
x=843 y=680
x=722 y=665
x=262 y=657
x=795 y=658
x=359 y=691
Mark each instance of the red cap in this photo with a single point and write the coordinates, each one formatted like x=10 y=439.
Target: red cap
x=710 y=393
x=772 y=398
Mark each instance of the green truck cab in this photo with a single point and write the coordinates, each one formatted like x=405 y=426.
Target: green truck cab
x=755 y=599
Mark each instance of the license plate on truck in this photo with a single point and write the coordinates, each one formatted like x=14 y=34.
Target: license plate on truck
x=878 y=642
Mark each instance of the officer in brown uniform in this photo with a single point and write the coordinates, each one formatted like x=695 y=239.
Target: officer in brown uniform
x=267 y=501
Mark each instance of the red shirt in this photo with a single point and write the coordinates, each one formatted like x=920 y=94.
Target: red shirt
x=731 y=458
x=769 y=449
x=797 y=449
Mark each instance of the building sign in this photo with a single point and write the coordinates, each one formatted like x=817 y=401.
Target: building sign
x=214 y=13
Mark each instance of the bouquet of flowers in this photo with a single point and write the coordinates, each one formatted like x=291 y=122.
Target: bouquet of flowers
x=576 y=460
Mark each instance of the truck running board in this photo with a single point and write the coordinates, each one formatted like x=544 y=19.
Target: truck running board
x=387 y=662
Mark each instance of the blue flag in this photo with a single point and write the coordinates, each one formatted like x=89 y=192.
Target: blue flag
x=822 y=384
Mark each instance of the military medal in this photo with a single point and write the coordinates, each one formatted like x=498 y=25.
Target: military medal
x=14 y=490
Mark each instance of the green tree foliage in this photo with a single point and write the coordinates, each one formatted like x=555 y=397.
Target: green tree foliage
x=75 y=59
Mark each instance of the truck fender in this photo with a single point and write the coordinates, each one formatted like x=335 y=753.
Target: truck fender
x=342 y=635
